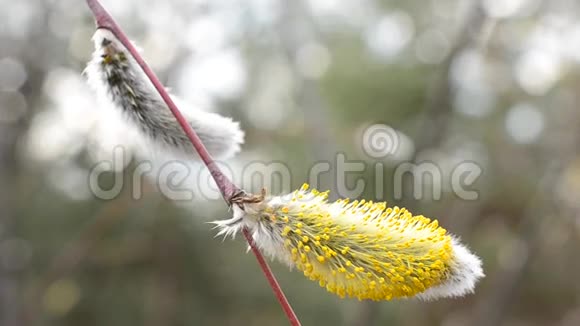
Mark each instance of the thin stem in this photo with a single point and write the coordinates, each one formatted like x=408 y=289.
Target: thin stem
x=227 y=188
x=292 y=318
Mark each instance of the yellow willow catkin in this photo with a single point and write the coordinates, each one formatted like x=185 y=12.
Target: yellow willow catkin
x=359 y=249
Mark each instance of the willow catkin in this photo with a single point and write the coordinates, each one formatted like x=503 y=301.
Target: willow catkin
x=358 y=249
x=115 y=75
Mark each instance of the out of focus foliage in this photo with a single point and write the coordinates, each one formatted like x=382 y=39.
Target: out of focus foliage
x=493 y=82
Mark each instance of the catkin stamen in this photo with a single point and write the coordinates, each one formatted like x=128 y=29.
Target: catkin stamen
x=357 y=249
x=116 y=77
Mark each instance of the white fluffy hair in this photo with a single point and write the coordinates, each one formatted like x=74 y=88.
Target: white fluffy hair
x=115 y=75
x=466 y=270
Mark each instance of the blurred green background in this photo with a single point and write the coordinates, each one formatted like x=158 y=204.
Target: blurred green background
x=493 y=82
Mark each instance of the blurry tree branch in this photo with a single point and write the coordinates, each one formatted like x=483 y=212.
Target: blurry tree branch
x=9 y=280
x=439 y=104
x=71 y=256
x=297 y=29
x=10 y=166
x=492 y=307
x=436 y=115
x=162 y=302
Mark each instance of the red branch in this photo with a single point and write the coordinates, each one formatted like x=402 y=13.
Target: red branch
x=272 y=280
x=227 y=188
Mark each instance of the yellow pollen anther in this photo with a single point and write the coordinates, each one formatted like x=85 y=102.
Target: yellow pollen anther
x=362 y=249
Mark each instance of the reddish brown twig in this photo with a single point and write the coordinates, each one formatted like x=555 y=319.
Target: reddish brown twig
x=227 y=188
x=272 y=281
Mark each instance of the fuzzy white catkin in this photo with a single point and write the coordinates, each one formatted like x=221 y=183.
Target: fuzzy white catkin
x=115 y=75
x=359 y=249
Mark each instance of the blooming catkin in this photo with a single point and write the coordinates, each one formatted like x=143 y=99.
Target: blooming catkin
x=358 y=249
x=116 y=76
